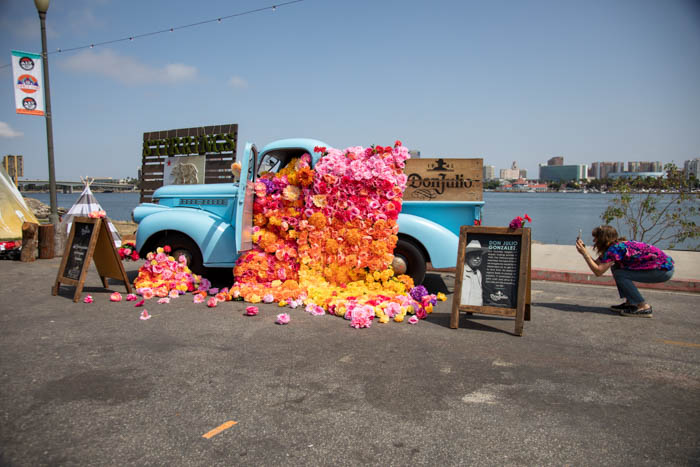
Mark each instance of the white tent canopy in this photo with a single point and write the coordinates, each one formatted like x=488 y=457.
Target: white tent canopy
x=86 y=204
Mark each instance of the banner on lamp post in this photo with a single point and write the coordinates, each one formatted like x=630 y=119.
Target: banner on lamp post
x=27 y=75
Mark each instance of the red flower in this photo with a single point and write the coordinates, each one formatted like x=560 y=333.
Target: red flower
x=397 y=143
x=477 y=221
x=527 y=218
x=379 y=150
x=320 y=149
x=167 y=249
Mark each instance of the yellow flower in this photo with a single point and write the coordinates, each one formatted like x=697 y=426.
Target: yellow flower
x=441 y=296
x=160 y=249
x=384 y=319
x=282 y=303
x=398 y=318
x=429 y=308
x=254 y=299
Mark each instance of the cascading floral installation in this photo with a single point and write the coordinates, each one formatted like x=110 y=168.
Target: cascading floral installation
x=326 y=237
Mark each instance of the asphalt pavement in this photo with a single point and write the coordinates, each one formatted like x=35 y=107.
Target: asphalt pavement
x=92 y=384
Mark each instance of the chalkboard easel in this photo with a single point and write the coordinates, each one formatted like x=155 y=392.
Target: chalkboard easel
x=493 y=274
x=89 y=239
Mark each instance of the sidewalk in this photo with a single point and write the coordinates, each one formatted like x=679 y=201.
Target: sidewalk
x=562 y=263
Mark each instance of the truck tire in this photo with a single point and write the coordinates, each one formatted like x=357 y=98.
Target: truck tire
x=183 y=245
x=407 y=256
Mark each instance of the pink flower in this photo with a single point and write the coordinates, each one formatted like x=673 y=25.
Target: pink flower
x=212 y=302
x=268 y=298
x=282 y=318
x=413 y=319
x=198 y=298
x=163 y=300
x=139 y=303
x=147 y=293
x=213 y=291
x=174 y=293
x=115 y=297
x=131 y=297
x=144 y=315
x=251 y=310
x=88 y=299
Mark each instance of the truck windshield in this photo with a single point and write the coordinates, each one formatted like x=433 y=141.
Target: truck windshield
x=269 y=163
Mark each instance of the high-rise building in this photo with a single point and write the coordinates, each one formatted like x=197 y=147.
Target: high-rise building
x=511 y=174
x=639 y=166
x=489 y=172
x=602 y=169
x=523 y=173
x=563 y=173
x=556 y=160
x=414 y=153
x=692 y=167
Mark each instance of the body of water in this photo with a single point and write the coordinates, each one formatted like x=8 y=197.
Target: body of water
x=556 y=217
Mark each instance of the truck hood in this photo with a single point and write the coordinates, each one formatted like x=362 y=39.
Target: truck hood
x=199 y=191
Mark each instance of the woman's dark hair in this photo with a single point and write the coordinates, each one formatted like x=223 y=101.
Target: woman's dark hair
x=603 y=237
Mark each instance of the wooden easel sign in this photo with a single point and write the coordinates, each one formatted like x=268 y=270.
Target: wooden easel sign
x=493 y=274
x=89 y=239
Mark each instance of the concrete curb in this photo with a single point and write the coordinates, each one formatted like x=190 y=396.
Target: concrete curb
x=678 y=285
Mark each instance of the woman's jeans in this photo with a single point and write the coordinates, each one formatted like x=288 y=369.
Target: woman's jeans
x=625 y=279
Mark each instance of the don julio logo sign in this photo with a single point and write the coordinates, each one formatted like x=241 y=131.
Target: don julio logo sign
x=443 y=179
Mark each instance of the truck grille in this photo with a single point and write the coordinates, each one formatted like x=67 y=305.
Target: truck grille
x=203 y=202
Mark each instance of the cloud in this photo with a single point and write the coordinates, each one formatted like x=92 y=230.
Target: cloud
x=128 y=70
x=238 y=82
x=7 y=132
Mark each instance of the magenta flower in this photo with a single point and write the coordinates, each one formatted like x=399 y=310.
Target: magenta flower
x=88 y=299
x=283 y=318
x=212 y=302
x=198 y=298
x=139 y=303
x=131 y=297
x=115 y=297
x=413 y=320
x=164 y=300
x=251 y=310
x=144 y=315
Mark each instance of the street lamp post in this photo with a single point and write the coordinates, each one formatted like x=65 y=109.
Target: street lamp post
x=42 y=6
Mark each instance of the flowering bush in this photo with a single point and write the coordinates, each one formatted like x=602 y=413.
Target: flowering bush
x=326 y=237
x=161 y=274
x=128 y=251
x=519 y=222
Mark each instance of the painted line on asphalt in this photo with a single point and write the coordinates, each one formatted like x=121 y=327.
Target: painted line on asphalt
x=681 y=344
x=219 y=429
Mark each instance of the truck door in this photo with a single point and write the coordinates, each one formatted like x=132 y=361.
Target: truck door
x=244 y=204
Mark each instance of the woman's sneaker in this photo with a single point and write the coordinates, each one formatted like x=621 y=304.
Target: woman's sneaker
x=634 y=312
x=622 y=306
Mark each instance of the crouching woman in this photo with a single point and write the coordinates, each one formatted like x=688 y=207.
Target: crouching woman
x=631 y=262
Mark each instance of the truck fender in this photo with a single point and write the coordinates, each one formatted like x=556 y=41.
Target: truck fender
x=440 y=244
x=218 y=236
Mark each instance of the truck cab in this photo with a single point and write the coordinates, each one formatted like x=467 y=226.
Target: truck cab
x=211 y=224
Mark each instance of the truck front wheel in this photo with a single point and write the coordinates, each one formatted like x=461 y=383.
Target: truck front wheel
x=183 y=245
x=409 y=260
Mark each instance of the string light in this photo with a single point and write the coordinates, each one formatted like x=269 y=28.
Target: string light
x=137 y=36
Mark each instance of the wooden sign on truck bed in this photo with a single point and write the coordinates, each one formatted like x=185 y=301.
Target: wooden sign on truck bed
x=444 y=180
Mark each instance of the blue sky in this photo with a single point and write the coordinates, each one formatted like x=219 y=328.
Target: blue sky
x=599 y=80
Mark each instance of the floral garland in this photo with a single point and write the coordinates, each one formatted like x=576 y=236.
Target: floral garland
x=325 y=237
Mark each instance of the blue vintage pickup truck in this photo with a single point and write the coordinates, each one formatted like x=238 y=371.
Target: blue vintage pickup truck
x=211 y=224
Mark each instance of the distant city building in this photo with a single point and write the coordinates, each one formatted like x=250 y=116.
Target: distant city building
x=14 y=166
x=563 y=173
x=691 y=167
x=557 y=160
x=510 y=174
x=414 y=153
x=523 y=173
x=602 y=169
x=638 y=166
x=489 y=172
x=636 y=174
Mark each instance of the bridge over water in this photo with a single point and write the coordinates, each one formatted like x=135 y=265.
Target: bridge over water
x=70 y=187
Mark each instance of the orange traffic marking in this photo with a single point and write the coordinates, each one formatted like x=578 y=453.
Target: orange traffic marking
x=219 y=429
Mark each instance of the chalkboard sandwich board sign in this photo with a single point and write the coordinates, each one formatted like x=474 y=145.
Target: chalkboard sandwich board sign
x=89 y=239
x=493 y=274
